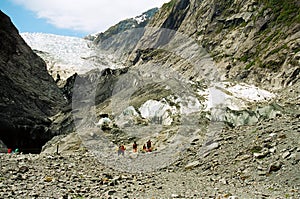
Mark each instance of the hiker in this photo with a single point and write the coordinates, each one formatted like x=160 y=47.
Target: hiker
x=16 y=151
x=144 y=148
x=149 y=146
x=121 y=150
x=134 y=147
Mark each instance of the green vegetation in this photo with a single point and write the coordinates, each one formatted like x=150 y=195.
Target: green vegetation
x=256 y=149
x=248 y=66
x=254 y=131
x=169 y=5
x=271 y=37
x=223 y=6
x=272 y=65
x=244 y=58
x=278 y=49
x=287 y=11
x=219 y=28
x=284 y=13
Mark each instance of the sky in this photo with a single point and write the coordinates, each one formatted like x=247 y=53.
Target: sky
x=73 y=17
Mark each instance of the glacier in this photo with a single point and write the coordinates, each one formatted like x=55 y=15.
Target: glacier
x=67 y=55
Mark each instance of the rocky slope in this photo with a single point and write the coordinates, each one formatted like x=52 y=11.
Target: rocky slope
x=29 y=96
x=259 y=161
x=196 y=84
x=254 y=41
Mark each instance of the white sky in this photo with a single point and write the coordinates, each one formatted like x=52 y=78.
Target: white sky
x=87 y=15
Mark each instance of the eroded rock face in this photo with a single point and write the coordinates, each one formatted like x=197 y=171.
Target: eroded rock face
x=28 y=94
x=251 y=41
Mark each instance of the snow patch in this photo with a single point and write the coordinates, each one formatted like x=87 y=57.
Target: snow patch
x=235 y=97
x=250 y=93
x=141 y=19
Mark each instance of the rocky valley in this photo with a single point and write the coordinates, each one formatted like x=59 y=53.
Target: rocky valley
x=213 y=85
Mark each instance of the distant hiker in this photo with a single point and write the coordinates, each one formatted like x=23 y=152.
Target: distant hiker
x=134 y=147
x=57 y=147
x=144 y=148
x=121 y=150
x=9 y=150
x=16 y=151
x=149 y=146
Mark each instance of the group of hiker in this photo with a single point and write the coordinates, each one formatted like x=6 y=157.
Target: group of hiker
x=146 y=147
x=10 y=150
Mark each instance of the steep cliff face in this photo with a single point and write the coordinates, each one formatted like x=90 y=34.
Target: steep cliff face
x=255 y=41
x=28 y=94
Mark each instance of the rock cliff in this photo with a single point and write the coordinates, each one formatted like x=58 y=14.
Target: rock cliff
x=254 y=41
x=29 y=95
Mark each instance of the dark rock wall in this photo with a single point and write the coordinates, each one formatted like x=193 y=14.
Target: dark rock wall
x=28 y=94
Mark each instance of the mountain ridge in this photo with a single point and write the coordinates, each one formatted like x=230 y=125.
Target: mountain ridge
x=127 y=24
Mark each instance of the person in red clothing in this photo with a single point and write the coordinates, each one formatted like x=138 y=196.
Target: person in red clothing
x=144 y=148
x=149 y=144
x=134 y=147
x=121 y=150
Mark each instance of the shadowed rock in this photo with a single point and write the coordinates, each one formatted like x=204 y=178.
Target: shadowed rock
x=28 y=94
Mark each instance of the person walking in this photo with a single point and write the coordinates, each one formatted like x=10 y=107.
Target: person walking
x=149 y=145
x=134 y=147
x=121 y=150
x=144 y=148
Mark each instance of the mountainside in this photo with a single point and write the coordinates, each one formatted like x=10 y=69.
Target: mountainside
x=127 y=24
x=178 y=80
x=29 y=96
x=212 y=85
x=254 y=41
x=194 y=86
